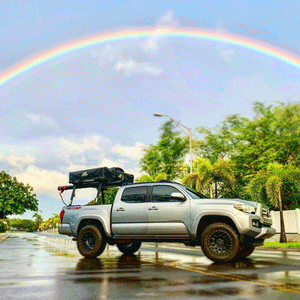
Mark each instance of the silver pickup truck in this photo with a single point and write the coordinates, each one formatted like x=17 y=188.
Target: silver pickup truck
x=167 y=211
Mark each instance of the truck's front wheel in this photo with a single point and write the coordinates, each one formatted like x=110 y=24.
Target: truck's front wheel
x=220 y=242
x=90 y=242
x=129 y=249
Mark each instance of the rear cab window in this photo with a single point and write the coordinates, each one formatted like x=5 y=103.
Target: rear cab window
x=134 y=194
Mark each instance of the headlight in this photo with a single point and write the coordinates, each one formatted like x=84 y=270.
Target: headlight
x=246 y=208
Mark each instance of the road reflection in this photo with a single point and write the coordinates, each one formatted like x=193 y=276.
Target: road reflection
x=43 y=269
x=123 y=262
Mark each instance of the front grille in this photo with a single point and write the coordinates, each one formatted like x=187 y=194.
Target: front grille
x=266 y=213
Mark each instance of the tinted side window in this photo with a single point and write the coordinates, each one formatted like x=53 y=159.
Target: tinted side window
x=162 y=193
x=134 y=194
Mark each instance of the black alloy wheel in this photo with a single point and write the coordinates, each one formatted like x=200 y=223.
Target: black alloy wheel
x=129 y=249
x=220 y=242
x=90 y=242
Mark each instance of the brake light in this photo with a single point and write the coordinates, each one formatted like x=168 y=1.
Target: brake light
x=61 y=215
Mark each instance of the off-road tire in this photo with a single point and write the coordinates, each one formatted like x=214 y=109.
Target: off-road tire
x=90 y=242
x=246 y=250
x=220 y=242
x=129 y=249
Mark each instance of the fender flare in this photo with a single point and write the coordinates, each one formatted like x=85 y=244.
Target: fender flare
x=217 y=213
x=100 y=219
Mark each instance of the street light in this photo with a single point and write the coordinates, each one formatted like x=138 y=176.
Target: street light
x=189 y=133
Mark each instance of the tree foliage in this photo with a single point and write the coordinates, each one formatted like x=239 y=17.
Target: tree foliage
x=167 y=155
x=274 y=183
x=109 y=196
x=273 y=135
x=3 y=225
x=148 y=178
x=23 y=224
x=52 y=222
x=15 y=196
x=211 y=176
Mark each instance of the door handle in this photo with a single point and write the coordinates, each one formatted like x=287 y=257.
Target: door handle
x=153 y=208
x=120 y=209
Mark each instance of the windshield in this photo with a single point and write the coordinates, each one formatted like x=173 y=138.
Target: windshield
x=193 y=194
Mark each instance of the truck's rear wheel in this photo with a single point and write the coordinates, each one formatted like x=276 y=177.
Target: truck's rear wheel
x=220 y=242
x=129 y=248
x=246 y=250
x=90 y=242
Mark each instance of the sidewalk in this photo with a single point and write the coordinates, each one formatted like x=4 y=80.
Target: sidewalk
x=4 y=235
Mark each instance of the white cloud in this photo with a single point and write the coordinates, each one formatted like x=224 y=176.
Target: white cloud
x=153 y=43
x=42 y=180
x=167 y=18
x=76 y=167
x=109 y=163
x=40 y=119
x=131 y=66
x=106 y=55
x=16 y=160
x=227 y=54
x=132 y=152
x=89 y=143
x=45 y=164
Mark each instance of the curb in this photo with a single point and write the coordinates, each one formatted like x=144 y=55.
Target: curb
x=3 y=236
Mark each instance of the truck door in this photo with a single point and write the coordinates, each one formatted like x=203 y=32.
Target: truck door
x=168 y=215
x=130 y=215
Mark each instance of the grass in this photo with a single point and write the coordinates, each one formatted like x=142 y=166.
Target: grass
x=281 y=245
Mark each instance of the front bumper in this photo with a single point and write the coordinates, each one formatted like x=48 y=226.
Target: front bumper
x=266 y=232
x=256 y=237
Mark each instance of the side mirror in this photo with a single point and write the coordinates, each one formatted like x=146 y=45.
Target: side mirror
x=178 y=196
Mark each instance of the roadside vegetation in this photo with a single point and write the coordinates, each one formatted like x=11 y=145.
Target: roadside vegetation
x=282 y=245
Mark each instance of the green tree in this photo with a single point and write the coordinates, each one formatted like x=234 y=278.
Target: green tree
x=38 y=219
x=15 y=196
x=273 y=183
x=3 y=226
x=210 y=175
x=109 y=196
x=23 y=224
x=273 y=135
x=167 y=155
x=145 y=178
x=52 y=222
x=148 y=178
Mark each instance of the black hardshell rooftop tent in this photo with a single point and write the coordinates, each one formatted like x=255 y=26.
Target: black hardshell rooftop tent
x=100 y=178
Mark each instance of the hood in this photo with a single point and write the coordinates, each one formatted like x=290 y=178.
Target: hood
x=225 y=201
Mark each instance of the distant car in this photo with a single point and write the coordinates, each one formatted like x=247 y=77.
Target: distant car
x=165 y=211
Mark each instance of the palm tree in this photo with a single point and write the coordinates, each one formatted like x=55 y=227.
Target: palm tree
x=208 y=175
x=38 y=219
x=51 y=222
x=270 y=183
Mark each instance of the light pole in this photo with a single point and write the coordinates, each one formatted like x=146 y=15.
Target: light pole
x=186 y=130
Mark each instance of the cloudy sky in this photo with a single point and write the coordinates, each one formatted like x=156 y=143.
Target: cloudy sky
x=94 y=107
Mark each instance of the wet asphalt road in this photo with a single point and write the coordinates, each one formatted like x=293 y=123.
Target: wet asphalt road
x=38 y=267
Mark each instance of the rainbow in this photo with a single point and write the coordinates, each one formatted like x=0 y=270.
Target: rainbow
x=229 y=39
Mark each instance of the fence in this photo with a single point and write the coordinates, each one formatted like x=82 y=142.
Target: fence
x=291 y=224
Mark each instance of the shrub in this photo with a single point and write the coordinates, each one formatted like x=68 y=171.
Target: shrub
x=3 y=226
